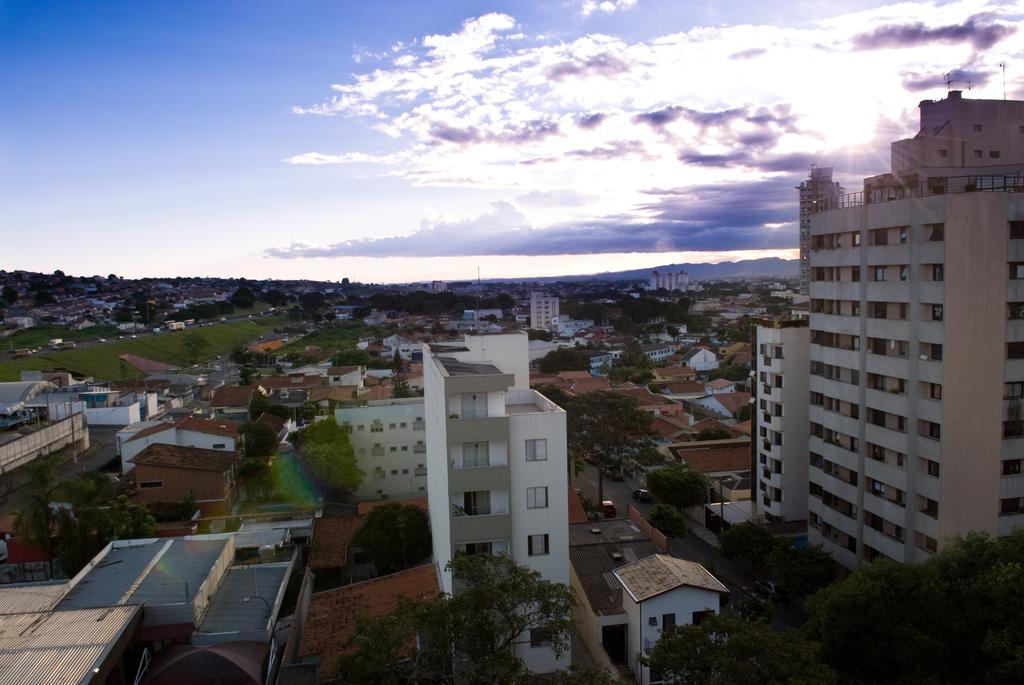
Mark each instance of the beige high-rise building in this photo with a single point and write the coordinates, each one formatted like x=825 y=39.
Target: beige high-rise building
x=542 y=309
x=917 y=341
x=818 y=188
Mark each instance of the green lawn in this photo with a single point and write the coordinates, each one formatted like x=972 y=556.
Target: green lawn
x=102 y=362
x=40 y=336
x=333 y=337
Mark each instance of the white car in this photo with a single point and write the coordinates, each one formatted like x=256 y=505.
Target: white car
x=102 y=340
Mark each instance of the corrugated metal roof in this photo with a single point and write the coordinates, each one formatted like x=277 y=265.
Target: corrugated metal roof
x=179 y=573
x=593 y=565
x=18 y=599
x=107 y=582
x=228 y=612
x=60 y=647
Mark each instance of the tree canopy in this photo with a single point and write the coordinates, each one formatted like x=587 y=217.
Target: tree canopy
x=194 y=346
x=564 y=359
x=328 y=454
x=726 y=650
x=469 y=636
x=258 y=439
x=396 y=535
x=747 y=544
x=678 y=485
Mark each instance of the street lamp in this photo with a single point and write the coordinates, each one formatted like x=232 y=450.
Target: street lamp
x=262 y=599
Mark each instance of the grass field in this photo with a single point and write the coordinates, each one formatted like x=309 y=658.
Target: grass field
x=40 y=336
x=333 y=337
x=102 y=362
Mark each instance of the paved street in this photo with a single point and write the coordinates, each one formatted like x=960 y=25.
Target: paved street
x=691 y=547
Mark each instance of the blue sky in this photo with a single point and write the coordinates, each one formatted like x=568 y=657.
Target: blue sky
x=407 y=141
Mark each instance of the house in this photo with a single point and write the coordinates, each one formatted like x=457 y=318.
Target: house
x=659 y=352
x=330 y=557
x=700 y=359
x=719 y=386
x=673 y=374
x=170 y=473
x=714 y=458
x=409 y=350
x=661 y=592
x=683 y=390
x=726 y=405
x=671 y=428
x=659 y=405
x=233 y=400
x=596 y=549
x=329 y=624
x=600 y=360
x=212 y=434
x=712 y=424
x=346 y=375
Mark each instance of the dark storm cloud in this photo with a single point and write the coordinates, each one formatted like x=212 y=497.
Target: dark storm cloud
x=524 y=133
x=778 y=115
x=961 y=77
x=979 y=30
x=592 y=121
x=712 y=217
x=598 y=65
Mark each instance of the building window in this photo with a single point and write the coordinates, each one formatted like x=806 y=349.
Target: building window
x=1017 y=230
x=855 y=274
x=668 y=622
x=393 y=448
x=540 y=638
x=936 y=312
x=419 y=448
x=976 y=128
x=537 y=498
x=929 y=429
x=936 y=232
x=538 y=545
x=537 y=449
x=943 y=152
x=1015 y=350
x=993 y=154
x=903 y=234
x=1016 y=270
x=878 y=273
x=1011 y=467
x=377 y=450
x=477 y=503
x=147 y=484
x=978 y=154
x=856 y=238
x=475 y=455
x=377 y=426
x=904 y=272
x=1010 y=507
x=938 y=272
x=1014 y=390
x=391 y=426
x=880 y=236
x=477 y=548
x=1013 y=429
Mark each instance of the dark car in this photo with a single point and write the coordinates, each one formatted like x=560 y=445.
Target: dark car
x=643 y=496
x=613 y=473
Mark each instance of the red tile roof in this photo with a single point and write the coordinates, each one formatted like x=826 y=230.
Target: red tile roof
x=152 y=430
x=232 y=396
x=733 y=401
x=574 y=375
x=331 y=620
x=744 y=427
x=685 y=388
x=224 y=427
x=643 y=396
x=331 y=537
x=715 y=459
x=176 y=456
x=577 y=514
x=712 y=423
x=668 y=426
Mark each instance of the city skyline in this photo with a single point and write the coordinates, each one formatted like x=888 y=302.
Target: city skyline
x=395 y=145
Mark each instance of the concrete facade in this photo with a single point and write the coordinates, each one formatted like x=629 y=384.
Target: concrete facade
x=390 y=441
x=542 y=309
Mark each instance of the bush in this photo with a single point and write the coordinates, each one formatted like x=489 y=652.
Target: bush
x=668 y=520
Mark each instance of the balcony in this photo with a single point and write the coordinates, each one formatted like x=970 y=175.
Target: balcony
x=949 y=185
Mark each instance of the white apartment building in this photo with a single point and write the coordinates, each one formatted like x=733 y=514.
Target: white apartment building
x=917 y=341
x=390 y=441
x=542 y=309
x=779 y=419
x=669 y=280
x=497 y=477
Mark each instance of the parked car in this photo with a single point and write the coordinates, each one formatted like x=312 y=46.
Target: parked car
x=641 y=495
x=613 y=473
x=608 y=507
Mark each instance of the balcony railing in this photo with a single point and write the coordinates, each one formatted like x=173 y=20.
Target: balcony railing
x=944 y=185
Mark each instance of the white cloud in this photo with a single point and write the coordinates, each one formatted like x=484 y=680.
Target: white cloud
x=588 y=7
x=609 y=119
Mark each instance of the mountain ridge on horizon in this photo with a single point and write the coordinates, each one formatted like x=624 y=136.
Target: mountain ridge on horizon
x=765 y=266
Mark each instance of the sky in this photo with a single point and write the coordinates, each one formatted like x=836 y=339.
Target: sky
x=409 y=141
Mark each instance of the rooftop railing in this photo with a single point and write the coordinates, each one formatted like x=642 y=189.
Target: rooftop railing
x=942 y=185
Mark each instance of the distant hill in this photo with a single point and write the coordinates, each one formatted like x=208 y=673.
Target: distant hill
x=745 y=268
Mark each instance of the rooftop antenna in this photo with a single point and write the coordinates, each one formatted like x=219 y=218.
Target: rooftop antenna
x=950 y=81
x=1002 y=65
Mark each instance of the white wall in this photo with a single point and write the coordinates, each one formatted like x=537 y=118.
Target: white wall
x=437 y=466
x=404 y=459
x=173 y=436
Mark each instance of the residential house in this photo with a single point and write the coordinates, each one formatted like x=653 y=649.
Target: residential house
x=656 y=404
x=662 y=592
x=700 y=359
x=212 y=434
x=726 y=405
x=659 y=352
x=346 y=375
x=600 y=360
x=719 y=386
x=673 y=374
x=233 y=400
x=170 y=473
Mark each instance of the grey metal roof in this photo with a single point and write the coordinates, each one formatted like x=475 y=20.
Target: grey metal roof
x=608 y=530
x=179 y=573
x=106 y=583
x=24 y=597
x=228 y=612
x=593 y=565
x=14 y=394
x=60 y=647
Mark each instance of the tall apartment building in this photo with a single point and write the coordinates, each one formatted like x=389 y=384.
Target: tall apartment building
x=542 y=309
x=779 y=419
x=669 y=280
x=818 y=187
x=390 y=441
x=917 y=341
x=497 y=478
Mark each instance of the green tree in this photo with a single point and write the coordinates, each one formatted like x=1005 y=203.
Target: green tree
x=725 y=650
x=194 y=346
x=9 y=295
x=712 y=433
x=678 y=485
x=748 y=544
x=352 y=357
x=257 y=477
x=800 y=570
x=633 y=356
x=35 y=518
x=603 y=425
x=258 y=440
x=466 y=637
x=258 y=405
x=564 y=359
x=668 y=520
x=399 y=377
x=396 y=535
x=328 y=454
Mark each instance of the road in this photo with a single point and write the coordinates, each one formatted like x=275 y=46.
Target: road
x=691 y=547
